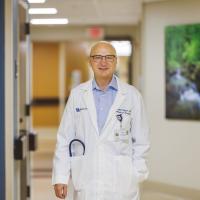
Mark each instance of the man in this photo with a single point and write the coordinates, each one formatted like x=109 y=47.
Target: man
x=107 y=118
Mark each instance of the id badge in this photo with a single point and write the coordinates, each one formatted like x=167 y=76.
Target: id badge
x=122 y=135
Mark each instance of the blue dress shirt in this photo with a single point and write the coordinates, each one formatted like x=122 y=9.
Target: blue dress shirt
x=104 y=100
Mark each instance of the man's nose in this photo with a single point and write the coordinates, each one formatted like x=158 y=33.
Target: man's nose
x=103 y=59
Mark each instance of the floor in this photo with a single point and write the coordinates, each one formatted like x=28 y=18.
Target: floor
x=43 y=190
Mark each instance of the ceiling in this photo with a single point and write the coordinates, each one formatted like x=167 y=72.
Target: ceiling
x=95 y=12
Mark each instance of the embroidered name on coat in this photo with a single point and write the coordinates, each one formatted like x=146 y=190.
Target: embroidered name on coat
x=80 y=109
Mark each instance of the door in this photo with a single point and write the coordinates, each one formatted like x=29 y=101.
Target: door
x=21 y=102
x=2 y=101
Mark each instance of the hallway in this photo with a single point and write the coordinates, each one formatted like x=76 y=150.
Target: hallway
x=43 y=55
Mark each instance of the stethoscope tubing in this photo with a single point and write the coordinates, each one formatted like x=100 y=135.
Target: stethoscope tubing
x=70 y=146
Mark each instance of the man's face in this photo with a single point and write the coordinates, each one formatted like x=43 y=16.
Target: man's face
x=103 y=61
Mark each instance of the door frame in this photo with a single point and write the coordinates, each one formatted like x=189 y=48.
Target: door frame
x=9 y=106
x=2 y=100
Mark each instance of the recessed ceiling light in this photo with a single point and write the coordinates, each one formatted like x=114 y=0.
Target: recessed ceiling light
x=49 y=21
x=42 y=11
x=123 y=48
x=36 y=1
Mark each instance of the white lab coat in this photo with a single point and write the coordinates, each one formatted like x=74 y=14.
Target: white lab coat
x=114 y=160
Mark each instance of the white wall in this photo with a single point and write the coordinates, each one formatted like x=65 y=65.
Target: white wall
x=175 y=152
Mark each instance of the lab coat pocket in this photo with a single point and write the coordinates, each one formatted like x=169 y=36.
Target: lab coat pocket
x=80 y=171
x=126 y=181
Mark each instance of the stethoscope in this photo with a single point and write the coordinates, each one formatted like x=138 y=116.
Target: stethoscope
x=70 y=146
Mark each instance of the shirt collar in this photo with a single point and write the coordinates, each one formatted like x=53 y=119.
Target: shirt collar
x=112 y=84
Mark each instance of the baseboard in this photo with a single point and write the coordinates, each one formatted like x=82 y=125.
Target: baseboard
x=185 y=193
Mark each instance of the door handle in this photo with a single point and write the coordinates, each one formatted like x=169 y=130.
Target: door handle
x=20 y=147
x=33 y=141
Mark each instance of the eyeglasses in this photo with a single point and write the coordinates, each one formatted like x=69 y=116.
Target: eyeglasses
x=108 y=58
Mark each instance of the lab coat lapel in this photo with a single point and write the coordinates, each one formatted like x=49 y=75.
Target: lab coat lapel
x=89 y=100
x=116 y=104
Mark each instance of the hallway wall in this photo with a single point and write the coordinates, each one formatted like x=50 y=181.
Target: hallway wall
x=2 y=100
x=174 y=157
x=9 y=106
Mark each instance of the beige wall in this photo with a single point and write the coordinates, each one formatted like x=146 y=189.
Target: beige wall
x=9 y=109
x=174 y=157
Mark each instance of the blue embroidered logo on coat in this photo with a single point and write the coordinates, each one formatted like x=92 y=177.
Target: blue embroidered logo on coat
x=80 y=109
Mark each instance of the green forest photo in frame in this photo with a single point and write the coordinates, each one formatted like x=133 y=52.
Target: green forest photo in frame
x=182 y=71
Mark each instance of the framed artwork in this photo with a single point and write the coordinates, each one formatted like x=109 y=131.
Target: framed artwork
x=182 y=71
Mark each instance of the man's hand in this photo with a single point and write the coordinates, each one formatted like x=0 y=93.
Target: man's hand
x=60 y=190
